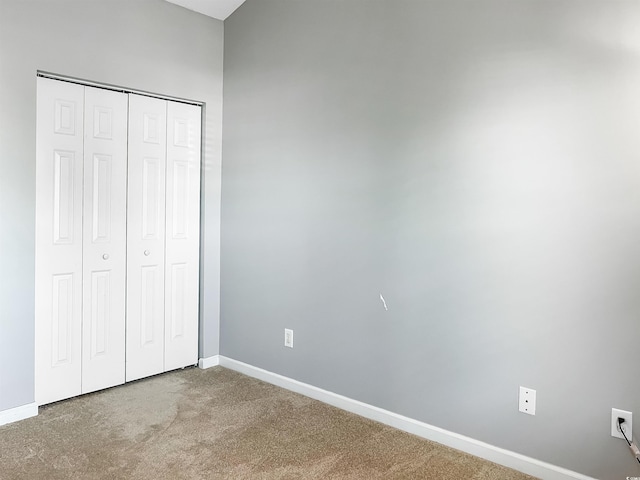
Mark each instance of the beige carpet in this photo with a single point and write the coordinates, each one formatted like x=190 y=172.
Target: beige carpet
x=219 y=424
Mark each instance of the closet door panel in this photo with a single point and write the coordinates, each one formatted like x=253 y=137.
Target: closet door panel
x=104 y=225
x=58 y=277
x=183 y=235
x=146 y=237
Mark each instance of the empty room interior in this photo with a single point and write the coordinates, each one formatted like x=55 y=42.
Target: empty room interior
x=422 y=212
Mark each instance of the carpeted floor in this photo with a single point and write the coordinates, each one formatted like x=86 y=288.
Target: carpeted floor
x=219 y=424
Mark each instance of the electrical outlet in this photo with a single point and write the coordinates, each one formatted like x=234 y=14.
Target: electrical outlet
x=527 y=401
x=288 y=338
x=627 y=426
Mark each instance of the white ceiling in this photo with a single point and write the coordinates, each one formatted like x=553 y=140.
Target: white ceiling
x=219 y=9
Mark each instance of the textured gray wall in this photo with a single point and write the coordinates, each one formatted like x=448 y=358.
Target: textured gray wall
x=475 y=162
x=144 y=44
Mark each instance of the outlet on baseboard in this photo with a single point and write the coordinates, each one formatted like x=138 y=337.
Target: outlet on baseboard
x=288 y=337
x=627 y=426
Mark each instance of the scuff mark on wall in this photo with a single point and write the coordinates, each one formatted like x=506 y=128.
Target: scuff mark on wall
x=384 y=304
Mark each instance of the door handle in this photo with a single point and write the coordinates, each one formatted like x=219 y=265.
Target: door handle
x=105 y=256
x=147 y=253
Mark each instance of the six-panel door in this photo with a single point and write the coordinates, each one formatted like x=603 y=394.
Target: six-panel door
x=117 y=238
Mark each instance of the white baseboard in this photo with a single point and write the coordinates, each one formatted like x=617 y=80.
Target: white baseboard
x=509 y=459
x=209 y=362
x=18 y=413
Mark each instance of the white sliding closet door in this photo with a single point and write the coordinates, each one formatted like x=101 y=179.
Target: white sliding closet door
x=81 y=175
x=146 y=237
x=183 y=232
x=58 y=287
x=105 y=238
x=117 y=238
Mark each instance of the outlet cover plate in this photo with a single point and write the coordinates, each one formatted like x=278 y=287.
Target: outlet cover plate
x=527 y=401
x=288 y=337
x=627 y=425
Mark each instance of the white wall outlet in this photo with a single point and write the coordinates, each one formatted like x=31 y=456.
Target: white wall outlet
x=527 y=401
x=627 y=426
x=288 y=337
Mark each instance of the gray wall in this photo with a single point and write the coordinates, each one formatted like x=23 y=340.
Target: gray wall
x=477 y=164
x=143 y=44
